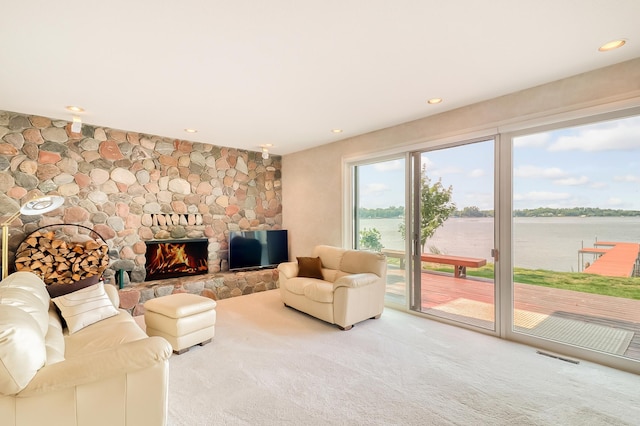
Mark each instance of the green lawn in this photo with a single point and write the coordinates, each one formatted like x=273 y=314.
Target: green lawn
x=628 y=288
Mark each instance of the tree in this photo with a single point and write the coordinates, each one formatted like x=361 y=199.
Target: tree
x=435 y=206
x=370 y=239
x=471 y=211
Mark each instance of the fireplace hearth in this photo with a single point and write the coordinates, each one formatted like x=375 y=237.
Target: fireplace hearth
x=176 y=258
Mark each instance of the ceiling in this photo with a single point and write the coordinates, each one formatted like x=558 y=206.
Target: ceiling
x=283 y=72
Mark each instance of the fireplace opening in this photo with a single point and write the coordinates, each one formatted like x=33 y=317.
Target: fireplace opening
x=176 y=258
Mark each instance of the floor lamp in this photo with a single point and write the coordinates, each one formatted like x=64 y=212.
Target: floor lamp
x=36 y=206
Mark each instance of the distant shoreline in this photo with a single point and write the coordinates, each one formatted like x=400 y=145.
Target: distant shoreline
x=550 y=243
x=469 y=212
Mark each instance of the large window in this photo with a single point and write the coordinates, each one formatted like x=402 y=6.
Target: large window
x=379 y=212
x=547 y=220
x=576 y=236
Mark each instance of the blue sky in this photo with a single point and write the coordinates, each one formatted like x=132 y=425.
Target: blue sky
x=382 y=184
x=597 y=165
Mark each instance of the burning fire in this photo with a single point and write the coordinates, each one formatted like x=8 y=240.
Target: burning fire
x=172 y=258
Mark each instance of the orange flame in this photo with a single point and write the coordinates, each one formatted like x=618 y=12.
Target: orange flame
x=172 y=258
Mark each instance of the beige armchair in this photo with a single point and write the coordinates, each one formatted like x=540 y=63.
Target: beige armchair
x=348 y=286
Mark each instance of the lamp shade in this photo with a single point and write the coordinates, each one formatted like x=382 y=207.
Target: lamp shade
x=42 y=205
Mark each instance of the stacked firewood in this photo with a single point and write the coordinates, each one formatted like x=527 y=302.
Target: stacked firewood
x=58 y=261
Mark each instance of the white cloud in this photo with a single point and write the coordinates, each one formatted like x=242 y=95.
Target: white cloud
x=375 y=188
x=475 y=173
x=627 y=178
x=571 y=181
x=528 y=171
x=614 y=202
x=427 y=163
x=623 y=135
x=536 y=141
x=482 y=200
x=389 y=166
x=598 y=185
x=433 y=169
x=452 y=170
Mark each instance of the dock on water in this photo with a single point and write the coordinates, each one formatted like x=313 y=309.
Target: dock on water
x=614 y=259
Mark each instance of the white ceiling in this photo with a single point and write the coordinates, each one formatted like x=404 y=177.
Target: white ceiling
x=286 y=72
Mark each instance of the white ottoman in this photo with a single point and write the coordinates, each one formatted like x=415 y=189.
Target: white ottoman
x=183 y=319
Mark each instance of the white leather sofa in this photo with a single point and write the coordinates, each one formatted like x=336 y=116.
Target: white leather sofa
x=351 y=290
x=107 y=373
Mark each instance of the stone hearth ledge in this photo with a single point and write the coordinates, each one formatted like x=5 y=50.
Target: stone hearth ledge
x=214 y=286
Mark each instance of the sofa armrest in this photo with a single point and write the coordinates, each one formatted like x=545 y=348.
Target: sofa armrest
x=122 y=359
x=289 y=269
x=356 y=280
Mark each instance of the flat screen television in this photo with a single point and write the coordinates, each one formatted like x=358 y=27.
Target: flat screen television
x=257 y=249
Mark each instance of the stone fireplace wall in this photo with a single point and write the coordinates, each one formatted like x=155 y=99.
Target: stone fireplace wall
x=132 y=187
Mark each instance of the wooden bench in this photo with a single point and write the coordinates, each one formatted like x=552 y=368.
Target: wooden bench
x=459 y=263
x=396 y=254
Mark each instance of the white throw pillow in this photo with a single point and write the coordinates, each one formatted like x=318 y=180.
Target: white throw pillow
x=85 y=307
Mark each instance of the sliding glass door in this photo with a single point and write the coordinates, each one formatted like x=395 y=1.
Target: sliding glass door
x=454 y=233
x=576 y=236
x=568 y=279
x=379 y=214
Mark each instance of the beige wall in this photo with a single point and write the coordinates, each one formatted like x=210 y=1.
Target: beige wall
x=312 y=188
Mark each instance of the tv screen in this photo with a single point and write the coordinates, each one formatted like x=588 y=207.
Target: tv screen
x=257 y=249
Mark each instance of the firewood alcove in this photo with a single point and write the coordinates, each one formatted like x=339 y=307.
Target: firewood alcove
x=63 y=253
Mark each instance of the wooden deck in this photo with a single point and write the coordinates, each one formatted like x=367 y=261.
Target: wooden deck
x=617 y=261
x=439 y=289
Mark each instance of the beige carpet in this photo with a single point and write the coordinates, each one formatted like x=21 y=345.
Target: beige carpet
x=270 y=365
x=587 y=335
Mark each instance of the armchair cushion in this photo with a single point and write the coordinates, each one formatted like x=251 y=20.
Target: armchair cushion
x=319 y=291
x=356 y=280
x=310 y=267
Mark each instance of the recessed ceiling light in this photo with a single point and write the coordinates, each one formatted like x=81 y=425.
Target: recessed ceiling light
x=74 y=108
x=336 y=130
x=433 y=101
x=191 y=130
x=612 y=45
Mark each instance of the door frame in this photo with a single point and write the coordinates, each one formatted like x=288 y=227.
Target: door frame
x=506 y=225
x=414 y=219
x=502 y=133
x=349 y=224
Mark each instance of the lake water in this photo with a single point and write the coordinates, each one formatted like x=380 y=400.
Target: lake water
x=550 y=243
